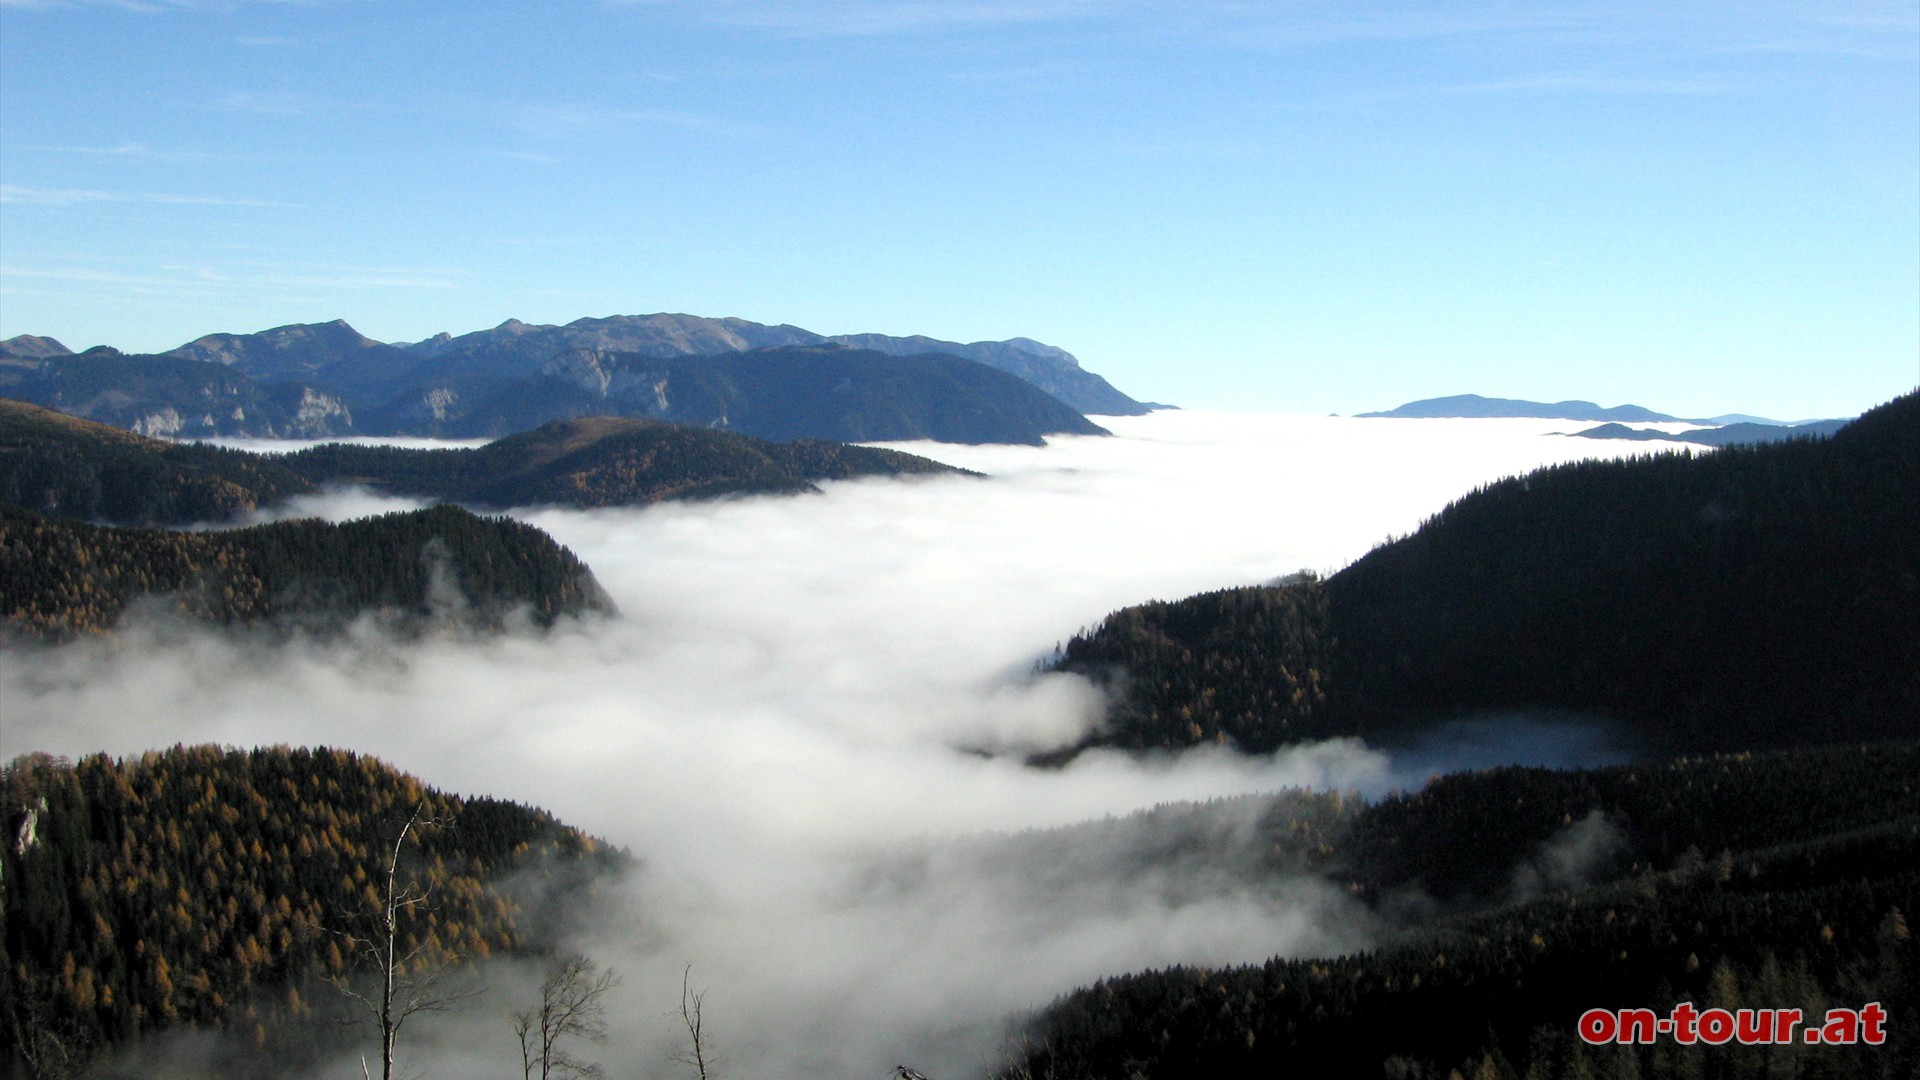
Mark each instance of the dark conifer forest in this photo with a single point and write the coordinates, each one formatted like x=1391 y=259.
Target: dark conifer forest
x=604 y=461
x=61 y=466
x=411 y=571
x=1752 y=613
x=221 y=889
x=1769 y=881
x=1755 y=596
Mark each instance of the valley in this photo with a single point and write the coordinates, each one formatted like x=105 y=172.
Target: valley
x=886 y=631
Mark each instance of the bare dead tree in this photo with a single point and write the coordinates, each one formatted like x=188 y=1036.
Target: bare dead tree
x=51 y=1049
x=411 y=982
x=697 y=1053
x=570 y=1009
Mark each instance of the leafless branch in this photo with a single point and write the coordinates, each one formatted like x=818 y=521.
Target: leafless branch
x=697 y=1053
x=570 y=1010
x=405 y=990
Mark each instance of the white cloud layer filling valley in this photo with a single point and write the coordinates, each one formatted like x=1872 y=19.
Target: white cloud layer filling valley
x=790 y=710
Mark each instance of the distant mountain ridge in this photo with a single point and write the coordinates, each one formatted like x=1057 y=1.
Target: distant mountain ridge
x=515 y=347
x=327 y=379
x=780 y=393
x=1724 y=435
x=29 y=347
x=1725 y=430
x=1476 y=407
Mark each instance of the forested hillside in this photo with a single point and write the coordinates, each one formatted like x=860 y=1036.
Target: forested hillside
x=61 y=466
x=1764 y=881
x=604 y=461
x=220 y=888
x=411 y=571
x=1754 y=596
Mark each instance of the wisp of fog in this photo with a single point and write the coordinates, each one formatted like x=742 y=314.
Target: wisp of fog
x=793 y=726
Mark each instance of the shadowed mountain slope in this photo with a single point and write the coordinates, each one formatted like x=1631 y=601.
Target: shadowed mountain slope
x=414 y=571
x=59 y=465
x=604 y=461
x=1755 y=596
x=1773 y=881
x=790 y=392
x=326 y=379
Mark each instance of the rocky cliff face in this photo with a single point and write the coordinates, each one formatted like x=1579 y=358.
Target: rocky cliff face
x=317 y=415
x=517 y=347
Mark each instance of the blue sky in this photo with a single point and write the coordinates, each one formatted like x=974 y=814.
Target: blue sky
x=1292 y=206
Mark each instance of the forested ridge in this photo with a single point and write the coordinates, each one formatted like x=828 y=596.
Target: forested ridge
x=1755 y=596
x=411 y=570
x=214 y=888
x=1782 y=880
x=61 y=466
x=58 y=465
x=604 y=461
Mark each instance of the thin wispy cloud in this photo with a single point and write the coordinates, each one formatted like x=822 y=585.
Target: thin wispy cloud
x=18 y=195
x=1674 y=31
x=525 y=155
x=200 y=278
x=108 y=277
x=1592 y=84
x=295 y=273
x=265 y=104
x=1876 y=29
x=144 y=6
x=162 y=7
x=1533 y=85
x=589 y=121
x=127 y=149
x=140 y=152
x=867 y=18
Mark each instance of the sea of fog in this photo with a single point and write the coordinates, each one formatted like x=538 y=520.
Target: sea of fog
x=792 y=726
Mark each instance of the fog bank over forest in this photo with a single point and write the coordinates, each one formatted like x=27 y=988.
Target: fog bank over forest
x=800 y=708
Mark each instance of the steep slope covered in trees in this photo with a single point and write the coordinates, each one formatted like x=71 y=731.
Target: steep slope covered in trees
x=440 y=566
x=1755 y=596
x=214 y=888
x=1773 y=881
x=57 y=464
x=604 y=461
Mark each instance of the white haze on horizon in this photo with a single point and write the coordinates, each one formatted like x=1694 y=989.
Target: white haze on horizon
x=796 y=693
x=288 y=446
